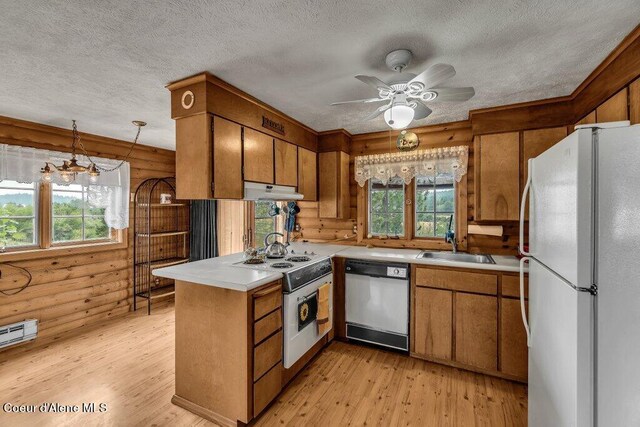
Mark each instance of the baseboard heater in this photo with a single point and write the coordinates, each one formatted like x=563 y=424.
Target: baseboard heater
x=372 y=336
x=17 y=333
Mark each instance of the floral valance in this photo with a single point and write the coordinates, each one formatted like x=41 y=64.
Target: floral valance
x=407 y=165
x=23 y=164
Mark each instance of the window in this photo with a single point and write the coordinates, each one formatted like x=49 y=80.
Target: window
x=72 y=218
x=263 y=223
x=18 y=209
x=435 y=205
x=386 y=207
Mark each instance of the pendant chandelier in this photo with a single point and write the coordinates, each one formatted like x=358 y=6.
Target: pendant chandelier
x=71 y=168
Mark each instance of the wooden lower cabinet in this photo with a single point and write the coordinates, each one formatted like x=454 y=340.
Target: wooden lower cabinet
x=513 y=340
x=228 y=350
x=476 y=329
x=433 y=323
x=460 y=318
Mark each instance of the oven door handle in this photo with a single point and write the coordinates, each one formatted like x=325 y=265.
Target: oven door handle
x=306 y=297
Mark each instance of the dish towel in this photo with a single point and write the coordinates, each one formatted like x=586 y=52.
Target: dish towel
x=323 y=309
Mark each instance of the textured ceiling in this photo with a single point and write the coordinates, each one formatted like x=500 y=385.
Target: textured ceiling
x=106 y=63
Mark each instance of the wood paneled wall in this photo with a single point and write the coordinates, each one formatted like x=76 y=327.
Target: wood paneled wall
x=318 y=229
x=70 y=291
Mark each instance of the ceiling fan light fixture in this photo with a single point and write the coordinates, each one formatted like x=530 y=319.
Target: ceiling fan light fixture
x=399 y=116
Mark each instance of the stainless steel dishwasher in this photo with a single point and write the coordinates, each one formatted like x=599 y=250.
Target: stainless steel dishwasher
x=377 y=302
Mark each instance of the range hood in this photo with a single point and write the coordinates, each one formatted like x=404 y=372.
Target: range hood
x=257 y=191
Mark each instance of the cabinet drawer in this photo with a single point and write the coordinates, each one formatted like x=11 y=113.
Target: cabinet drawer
x=267 y=300
x=266 y=355
x=266 y=326
x=511 y=286
x=479 y=283
x=266 y=389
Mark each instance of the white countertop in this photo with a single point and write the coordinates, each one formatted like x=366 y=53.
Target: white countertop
x=220 y=272
x=503 y=262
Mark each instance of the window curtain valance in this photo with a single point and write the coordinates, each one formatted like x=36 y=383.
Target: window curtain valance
x=23 y=164
x=407 y=165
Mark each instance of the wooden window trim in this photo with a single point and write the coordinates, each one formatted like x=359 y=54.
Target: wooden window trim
x=410 y=241
x=45 y=248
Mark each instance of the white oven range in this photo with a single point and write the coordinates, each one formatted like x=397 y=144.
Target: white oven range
x=300 y=308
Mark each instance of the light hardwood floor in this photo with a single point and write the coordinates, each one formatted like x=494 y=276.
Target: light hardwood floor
x=128 y=364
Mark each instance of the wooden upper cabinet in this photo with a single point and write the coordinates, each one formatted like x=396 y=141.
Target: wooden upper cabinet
x=227 y=160
x=208 y=158
x=286 y=163
x=613 y=109
x=498 y=183
x=634 y=102
x=476 y=330
x=258 y=157
x=333 y=176
x=588 y=119
x=194 y=156
x=307 y=174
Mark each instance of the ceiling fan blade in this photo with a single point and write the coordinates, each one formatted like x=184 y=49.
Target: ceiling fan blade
x=434 y=75
x=360 y=101
x=421 y=110
x=374 y=81
x=378 y=111
x=453 y=94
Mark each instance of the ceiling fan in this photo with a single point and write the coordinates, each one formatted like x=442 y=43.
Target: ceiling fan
x=405 y=95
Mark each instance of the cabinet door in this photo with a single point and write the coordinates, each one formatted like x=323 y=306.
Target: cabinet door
x=513 y=340
x=432 y=334
x=227 y=160
x=307 y=174
x=499 y=181
x=333 y=176
x=286 y=163
x=476 y=327
x=258 y=156
x=613 y=109
x=193 y=152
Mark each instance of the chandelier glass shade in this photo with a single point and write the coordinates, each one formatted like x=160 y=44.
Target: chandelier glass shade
x=69 y=169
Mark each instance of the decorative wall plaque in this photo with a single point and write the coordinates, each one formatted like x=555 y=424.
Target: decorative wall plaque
x=272 y=125
x=407 y=141
x=188 y=99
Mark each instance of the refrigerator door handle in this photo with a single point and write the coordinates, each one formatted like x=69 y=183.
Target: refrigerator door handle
x=523 y=311
x=525 y=194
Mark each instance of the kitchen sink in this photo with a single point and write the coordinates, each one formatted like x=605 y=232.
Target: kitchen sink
x=457 y=257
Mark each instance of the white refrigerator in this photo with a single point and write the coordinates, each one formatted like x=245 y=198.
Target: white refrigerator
x=583 y=322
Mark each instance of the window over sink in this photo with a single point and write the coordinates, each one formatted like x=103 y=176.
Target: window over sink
x=386 y=207
x=435 y=205
x=420 y=210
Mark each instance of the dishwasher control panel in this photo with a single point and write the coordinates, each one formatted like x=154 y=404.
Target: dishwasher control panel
x=399 y=272
x=391 y=270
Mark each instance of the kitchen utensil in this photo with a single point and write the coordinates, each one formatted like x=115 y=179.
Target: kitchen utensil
x=275 y=249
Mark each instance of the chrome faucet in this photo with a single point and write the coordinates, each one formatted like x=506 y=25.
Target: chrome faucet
x=450 y=236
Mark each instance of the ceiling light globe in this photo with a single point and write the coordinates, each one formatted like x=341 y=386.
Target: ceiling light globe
x=399 y=116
